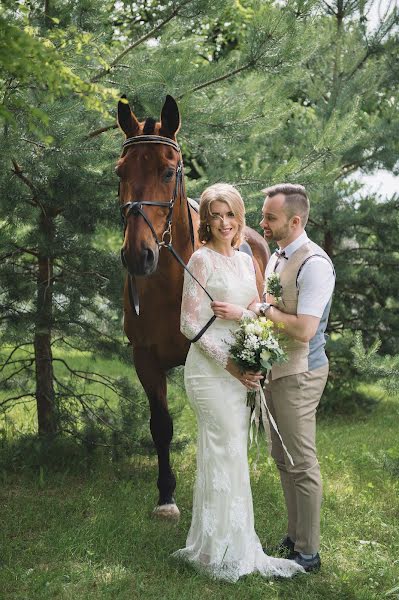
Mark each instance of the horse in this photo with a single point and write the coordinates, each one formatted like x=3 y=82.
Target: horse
x=160 y=235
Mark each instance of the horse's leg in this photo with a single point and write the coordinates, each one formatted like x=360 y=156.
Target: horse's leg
x=153 y=380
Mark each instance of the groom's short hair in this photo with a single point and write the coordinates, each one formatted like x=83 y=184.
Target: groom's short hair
x=296 y=199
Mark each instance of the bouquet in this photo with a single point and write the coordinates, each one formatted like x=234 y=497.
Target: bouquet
x=256 y=346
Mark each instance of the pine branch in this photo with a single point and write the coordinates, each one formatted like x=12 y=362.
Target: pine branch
x=81 y=399
x=38 y=144
x=107 y=382
x=89 y=327
x=64 y=341
x=329 y=8
x=27 y=250
x=79 y=273
x=316 y=224
x=8 y=359
x=372 y=46
x=7 y=400
x=223 y=77
x=144 y=38
x=100 y=131
x=19 y=173
x=10 y=255
x=349 y=168
x=368 y=362
x=23 y=368
x=248 y=65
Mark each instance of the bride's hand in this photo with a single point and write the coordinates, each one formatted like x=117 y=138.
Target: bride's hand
x=224 y=310
x=250 y=379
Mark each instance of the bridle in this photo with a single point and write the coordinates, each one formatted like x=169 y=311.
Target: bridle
x=136 y=208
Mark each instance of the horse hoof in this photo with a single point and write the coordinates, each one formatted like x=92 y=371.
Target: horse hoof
x=166 y=511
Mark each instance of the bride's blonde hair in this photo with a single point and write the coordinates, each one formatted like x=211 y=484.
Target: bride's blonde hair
x=224 y=192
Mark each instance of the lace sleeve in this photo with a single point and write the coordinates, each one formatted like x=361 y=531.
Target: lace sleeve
x=192 y=300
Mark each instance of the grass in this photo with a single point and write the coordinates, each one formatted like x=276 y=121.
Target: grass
x=84 y=531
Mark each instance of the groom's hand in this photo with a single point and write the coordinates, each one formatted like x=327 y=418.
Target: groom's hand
x=224 y=310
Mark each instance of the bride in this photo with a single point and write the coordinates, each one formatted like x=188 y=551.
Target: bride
x=222 y=541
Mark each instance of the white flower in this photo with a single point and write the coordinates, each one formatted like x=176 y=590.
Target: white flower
x=251 y=342
x=272 y=343
x=250 y=328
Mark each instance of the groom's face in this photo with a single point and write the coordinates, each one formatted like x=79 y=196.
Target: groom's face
x=275 y=222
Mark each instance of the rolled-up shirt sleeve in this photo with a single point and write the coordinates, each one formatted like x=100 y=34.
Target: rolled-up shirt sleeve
x=316 y=284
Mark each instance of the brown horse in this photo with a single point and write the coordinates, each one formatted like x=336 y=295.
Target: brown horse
x=157 y=218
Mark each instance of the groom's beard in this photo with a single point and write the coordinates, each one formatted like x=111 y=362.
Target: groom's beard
x=277 y=235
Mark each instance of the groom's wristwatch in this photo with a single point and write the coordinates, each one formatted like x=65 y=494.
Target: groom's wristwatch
x=264 y=307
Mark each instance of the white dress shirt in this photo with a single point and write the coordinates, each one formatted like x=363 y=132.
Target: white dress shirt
x=315 y=282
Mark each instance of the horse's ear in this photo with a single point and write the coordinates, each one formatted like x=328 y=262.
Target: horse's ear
x=126 y=119
x=170 y=117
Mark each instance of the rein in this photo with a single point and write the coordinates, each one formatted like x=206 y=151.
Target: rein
x=136 y=209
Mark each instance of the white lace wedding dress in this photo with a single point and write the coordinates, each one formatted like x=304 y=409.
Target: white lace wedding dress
x=222 y=541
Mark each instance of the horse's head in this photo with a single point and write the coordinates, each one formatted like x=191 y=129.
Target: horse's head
x=150 y=174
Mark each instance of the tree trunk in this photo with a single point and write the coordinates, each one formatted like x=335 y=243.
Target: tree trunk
x=47 y=19
x=337 y=67
x=45 y=397
x=328 y=243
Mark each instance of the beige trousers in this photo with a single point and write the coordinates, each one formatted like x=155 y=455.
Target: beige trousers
x=293 y=401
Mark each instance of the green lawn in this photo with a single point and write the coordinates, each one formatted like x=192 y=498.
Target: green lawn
x=86 y=533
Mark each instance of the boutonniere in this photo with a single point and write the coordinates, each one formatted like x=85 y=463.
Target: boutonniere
x=273 y=286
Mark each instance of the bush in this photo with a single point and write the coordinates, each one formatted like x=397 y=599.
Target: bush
x=343 y=393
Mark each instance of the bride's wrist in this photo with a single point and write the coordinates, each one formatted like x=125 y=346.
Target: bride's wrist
x=246 y=312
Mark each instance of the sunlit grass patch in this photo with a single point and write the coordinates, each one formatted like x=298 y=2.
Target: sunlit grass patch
x=86 y=532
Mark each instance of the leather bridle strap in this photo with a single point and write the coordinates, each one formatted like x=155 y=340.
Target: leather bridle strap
x=136 y=208
x=151 y=139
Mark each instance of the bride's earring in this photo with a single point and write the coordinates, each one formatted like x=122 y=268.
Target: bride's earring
x=208 y=229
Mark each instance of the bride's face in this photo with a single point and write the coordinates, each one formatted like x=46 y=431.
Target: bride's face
x=222 y=221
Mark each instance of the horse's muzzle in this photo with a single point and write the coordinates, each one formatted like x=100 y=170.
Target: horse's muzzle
x=140 y=264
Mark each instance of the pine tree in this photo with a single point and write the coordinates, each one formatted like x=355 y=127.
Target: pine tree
x=60 y=286
x=298 y=91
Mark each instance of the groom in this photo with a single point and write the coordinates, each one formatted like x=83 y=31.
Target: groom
x=301 y=301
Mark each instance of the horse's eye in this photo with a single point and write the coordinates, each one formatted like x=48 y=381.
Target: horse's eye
x=168 y=175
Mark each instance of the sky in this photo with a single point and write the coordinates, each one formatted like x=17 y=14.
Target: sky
x=382 y=182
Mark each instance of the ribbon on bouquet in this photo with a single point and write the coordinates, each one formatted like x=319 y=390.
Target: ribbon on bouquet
x=261 y=411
